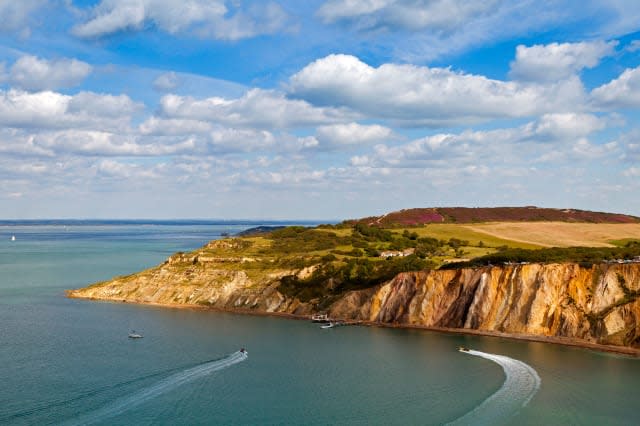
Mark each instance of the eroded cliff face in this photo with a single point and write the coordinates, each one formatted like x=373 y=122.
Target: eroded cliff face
x=600 y=304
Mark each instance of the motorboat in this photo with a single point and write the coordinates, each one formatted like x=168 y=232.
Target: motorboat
x=332 y=324
x=13 y=238
x=244 y=351
x=463 y=349
x=134 y=335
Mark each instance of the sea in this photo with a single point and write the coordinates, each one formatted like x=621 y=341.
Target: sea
x=70 y=362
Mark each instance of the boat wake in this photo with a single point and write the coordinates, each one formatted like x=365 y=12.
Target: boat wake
x=126 y=403
x=521 y=384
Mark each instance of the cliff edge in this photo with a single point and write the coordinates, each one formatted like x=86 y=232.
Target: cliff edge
x=598 y=304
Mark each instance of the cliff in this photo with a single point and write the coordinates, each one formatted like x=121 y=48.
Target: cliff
x=598 y=305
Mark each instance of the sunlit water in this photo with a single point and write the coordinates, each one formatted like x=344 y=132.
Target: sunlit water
x=65 y=361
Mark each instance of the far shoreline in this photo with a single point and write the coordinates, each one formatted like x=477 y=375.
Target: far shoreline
x=563 y=341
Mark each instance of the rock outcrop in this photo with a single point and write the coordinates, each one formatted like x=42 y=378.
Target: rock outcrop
x=600 y=304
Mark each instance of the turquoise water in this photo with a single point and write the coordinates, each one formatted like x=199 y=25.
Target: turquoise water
x=69 y=361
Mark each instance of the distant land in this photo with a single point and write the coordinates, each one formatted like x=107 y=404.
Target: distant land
x=561 y=275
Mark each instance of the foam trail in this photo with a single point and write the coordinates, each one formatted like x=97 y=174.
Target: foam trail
x=121 y=405
x=521 y=384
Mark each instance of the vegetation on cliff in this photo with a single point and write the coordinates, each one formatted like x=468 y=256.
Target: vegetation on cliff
x=585 y=256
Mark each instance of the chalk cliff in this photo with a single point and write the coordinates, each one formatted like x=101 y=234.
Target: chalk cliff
x=600 y=304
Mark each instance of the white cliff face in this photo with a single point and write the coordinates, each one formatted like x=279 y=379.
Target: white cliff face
x=600 y=304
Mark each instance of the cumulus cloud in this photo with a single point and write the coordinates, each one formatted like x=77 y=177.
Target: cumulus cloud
x=557 y=61
x=353 y=134
x=416 y=95
x=565 y=126
x=207 y=18
x=552 y=137
x=54 y=110
x=33 y=73
x=622 y=92
x=257 y=108
x=413 y=15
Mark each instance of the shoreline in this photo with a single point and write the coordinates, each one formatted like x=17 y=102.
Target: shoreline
x=564 y=341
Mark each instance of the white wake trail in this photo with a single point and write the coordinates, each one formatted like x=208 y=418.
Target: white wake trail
x=521 y=384
x=126 y=403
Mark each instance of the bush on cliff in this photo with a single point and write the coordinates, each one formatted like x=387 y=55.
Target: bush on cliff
x=334 y=278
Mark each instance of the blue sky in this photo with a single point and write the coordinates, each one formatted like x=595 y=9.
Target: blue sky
x=323 y=109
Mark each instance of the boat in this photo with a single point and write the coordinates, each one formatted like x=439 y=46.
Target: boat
x=332 y=324
x=13 y=238
x=134 y=335
x=244 y=351
x=319 y=318
x=463 y=349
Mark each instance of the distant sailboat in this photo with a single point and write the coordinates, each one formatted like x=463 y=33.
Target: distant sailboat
x=13 y=238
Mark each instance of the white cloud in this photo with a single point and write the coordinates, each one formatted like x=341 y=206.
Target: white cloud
x=564 y=126
x=557 y=61
x=207 y=18
x=173 y=127
x=130 y=172
x=622 y=92
x=551 y=138
x=353 y=134
x=42 y=110
x=413 y=15
x=427 y=96
x=268 y=18
x=76 y=142
x=33 y=73
x=257 y=108
x=14 y=14
x=166 y=82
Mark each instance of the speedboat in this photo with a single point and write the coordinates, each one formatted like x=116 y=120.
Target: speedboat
x=134 y=335
x=463 y=349
x=244 y=351
x=328 y=325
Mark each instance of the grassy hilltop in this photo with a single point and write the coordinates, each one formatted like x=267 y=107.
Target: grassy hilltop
x=359 y=254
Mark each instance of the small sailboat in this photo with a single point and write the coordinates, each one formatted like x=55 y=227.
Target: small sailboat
x=134 y=335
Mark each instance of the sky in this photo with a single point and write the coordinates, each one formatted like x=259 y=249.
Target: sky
x=319 y=109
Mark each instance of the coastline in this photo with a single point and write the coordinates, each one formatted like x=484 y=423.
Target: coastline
x=564 y=341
